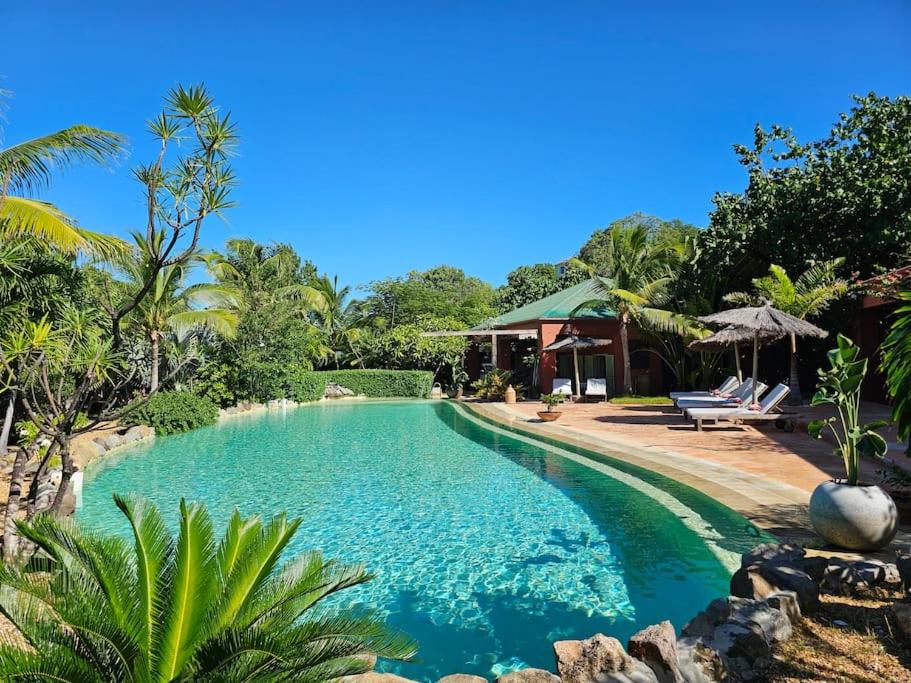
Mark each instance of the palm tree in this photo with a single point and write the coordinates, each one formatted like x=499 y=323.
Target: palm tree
x=637 y=272
x=27 y=168
x=339 y=319
x=156 y=610
x=896 y=351
x=172 y=307
x=806 y=297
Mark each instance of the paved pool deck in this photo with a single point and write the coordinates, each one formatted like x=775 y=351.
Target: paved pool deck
x=765 y=474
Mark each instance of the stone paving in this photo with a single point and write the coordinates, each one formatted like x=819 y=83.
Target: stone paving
x=764 y=473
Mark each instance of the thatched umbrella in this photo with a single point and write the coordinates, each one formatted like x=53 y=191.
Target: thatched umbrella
x=763 y=321
x=722 y=340
x=575 y=342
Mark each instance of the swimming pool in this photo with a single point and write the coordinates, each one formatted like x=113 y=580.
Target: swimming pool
x=487 y=545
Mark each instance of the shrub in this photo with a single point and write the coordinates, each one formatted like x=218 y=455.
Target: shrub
x=172 y=412
x=493 y=385
x=310 y=386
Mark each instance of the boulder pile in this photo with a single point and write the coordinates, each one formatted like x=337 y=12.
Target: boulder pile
x=730 y=640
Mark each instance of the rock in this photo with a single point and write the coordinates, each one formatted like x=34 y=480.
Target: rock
x=843 y=576
x=523 y=676
x=699 y=663
x=903 y=566
x=86 y=451
x=583 y=661
x=740 y=646
x=901 y=611
x=786 y=602
x=640 y=672
x=657 y=646
x=774 y=623
x=136 y=433
x=815 y=566
x=462 y=678
x=112 y=441
x=773 y=552
x=337 y=391
x=375 y=677
x=759 y=581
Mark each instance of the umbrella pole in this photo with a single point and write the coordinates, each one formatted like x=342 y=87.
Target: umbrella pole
x=576 y=368
x=755 y=364
x=737 y=362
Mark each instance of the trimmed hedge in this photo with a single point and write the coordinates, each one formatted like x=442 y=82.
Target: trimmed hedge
x=172 y=412
x=310 y=386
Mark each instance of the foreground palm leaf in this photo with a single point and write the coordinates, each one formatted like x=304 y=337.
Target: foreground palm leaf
x=158 y=610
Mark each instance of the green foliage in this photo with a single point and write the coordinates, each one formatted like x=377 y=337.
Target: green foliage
x=440 y=292
x=493 y=385
x=405 y=347
x=897 y=367
x=664 y=237
x=843 y=195
x=308 y=386
x=641 y=401
x=370 y=383
x=839 y=386
x=172 y=412
x=551 y=401
x=101 y=608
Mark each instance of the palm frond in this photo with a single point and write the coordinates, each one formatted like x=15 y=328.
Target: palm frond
x=31 y=164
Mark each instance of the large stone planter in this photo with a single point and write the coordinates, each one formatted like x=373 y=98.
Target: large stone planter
x=861 y=517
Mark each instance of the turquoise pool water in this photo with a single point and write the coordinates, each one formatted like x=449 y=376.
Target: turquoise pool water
x=487 y=546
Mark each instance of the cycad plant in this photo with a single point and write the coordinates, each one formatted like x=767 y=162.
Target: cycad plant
x=159 y=610
x=28 y=167
x=807 y=296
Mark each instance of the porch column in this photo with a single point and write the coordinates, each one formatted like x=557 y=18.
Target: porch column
x=547 y=360
x=493 y=351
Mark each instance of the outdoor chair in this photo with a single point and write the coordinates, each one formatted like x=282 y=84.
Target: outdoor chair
x=726 y=386
x=743 y=413
x=564 y=387
x=741 y=394
x=596 y=388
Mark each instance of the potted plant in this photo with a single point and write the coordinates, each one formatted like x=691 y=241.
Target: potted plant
x=551 y=401
x=847 y=513
x=459 y=377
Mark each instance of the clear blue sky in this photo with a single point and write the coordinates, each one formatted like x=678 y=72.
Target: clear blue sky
x=378 y=137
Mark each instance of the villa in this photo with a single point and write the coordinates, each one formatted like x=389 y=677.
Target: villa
x=502 y=342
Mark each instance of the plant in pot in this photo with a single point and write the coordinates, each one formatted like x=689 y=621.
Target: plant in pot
x=845 y=512
x=459 y=377
x=551 y=401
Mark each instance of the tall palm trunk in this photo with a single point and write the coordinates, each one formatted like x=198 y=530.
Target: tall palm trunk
x=624 y=344
x=795 y=399
x=153 y=381
x=7 y=423
x=17 y=479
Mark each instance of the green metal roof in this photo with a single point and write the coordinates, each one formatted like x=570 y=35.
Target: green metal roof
x=559 y=305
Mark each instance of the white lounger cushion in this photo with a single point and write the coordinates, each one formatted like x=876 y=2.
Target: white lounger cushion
x=563 y=386
x=596 y=387
x=726 y=386
x=769 y=403
x=744 y=392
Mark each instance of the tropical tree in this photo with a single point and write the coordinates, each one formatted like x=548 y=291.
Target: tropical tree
x=170 y=306
x=157 y=610
x=897 y=366
x=806 y=297
x=634 y=277
x=338 y=318
x=28 y=167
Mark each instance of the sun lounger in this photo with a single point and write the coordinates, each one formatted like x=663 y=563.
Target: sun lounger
x=726 y=386
x=742 y=394
x=596 y=387
x=564 y=387
x=765 y=413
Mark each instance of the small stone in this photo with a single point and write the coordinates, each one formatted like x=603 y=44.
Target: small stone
x=773 y=552
x=657 y=646
x=522 y=676
x=786 y=602
x=462 y=678
x=903 y=566
x=583 y=661
x=840 y=623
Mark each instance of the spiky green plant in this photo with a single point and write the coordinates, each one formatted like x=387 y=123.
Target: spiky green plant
x=156 y=610
x=897 y=367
